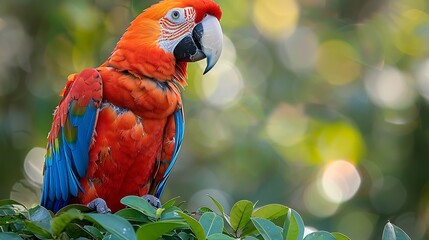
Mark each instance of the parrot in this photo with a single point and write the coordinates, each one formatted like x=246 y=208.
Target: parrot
x=118 y=128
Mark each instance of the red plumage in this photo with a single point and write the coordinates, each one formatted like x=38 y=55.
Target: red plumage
x=134 y=130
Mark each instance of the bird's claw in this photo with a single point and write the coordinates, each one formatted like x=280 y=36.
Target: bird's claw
x=99 y=205
x=154 y=201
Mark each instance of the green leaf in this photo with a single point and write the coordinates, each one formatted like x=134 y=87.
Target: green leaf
x=74 y=231
x=267 y=229
x=109 y=236
x=185 y=236
x=392 y=232
x=40 y=218
x=212 y=223
x=94 y=231
x=159 y=212
x=194 y=225
x=40 y=232
x=5 y=202
x=40 y=214
x=12 y=207
x=7 y=210
x=389 y=232
x=61 y=221
x=340 y=236
x=180 y=204
x=10 y=220
x=170 y=203
x=116 y=225
x=132 y=215
x=293 y=228
x=153 y=231
x=171 y=214
x=140 y=204
x=203 y=210
x=79 y=207
x=271 y=211
x=9 y=236
x=240 y=214
x=218 y=205
x=219 y=236
x=320 y=235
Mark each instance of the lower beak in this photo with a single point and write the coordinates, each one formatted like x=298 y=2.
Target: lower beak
x=205 y=42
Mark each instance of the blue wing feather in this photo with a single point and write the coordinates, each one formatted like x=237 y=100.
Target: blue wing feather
x=45 y=190
x=74 y=182
x=62 y=172
x=67 y=158
x=179 y=133
x=84 y=135
x=69 y=163
x=55 y=175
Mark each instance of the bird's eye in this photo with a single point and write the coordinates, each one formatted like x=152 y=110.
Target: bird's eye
x=175 y=14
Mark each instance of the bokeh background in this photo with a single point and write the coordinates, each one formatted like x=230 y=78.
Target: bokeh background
x=321 y=105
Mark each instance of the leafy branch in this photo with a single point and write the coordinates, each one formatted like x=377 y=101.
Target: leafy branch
x=140 y=220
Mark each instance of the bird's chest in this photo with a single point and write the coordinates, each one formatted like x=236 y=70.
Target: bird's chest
x=145 y=97
x=126 y=149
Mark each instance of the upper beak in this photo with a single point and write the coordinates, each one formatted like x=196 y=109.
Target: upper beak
x=206 y=42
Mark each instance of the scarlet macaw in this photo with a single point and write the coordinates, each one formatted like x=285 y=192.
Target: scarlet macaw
x=118 y=128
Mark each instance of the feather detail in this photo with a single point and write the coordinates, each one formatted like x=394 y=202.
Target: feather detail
x=173 y=138
x=70 y=137
x=179 y=133
x=146 y=97
x=137 y=51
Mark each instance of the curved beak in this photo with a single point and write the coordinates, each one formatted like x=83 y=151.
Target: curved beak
x=206 y=41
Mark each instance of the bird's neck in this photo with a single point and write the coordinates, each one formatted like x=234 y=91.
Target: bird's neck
x=138 y=53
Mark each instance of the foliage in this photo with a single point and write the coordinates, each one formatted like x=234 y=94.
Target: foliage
x=140 y=220
x=301 y=84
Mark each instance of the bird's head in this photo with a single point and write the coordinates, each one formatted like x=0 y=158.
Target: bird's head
x=167 y=35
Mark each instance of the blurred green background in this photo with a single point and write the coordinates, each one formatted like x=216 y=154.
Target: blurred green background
x=321 y=105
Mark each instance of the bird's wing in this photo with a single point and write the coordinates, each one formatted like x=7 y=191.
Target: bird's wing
x=173 y=138
x=70 y=138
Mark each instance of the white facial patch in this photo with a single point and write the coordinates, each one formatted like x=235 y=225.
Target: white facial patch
x=175 y=25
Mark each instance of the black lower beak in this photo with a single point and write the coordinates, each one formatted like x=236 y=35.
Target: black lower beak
x=189 y=48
